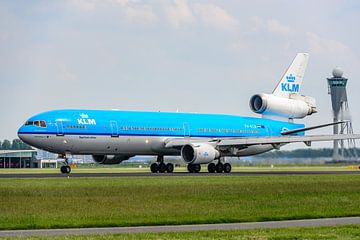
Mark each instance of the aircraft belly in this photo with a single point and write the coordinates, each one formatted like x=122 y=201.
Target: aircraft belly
x=130 y=145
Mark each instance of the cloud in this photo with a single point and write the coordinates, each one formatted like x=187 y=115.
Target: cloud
x=215 y=16
x=132 y=10
x=269 y=25
x=140 y=13
x=323 y=46
x=83 y=5
x=179 y=13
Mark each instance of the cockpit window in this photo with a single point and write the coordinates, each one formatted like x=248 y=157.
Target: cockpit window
x=29 y=123
x=41 y=123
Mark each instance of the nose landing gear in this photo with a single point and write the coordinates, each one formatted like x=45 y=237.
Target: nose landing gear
x=66 y=169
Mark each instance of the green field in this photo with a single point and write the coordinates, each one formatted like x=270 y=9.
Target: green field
x=89 y=202
x=346 y=232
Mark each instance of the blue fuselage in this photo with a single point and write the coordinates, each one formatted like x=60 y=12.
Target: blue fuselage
x=68 y=130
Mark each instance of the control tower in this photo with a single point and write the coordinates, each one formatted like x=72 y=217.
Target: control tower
x=343 y=149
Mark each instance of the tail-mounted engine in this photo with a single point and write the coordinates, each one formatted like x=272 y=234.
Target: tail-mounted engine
x=296 y=106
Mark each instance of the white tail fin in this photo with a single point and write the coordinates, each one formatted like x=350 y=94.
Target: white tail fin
x=290 y=82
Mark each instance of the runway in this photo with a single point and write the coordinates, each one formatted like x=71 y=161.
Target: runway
x=175 y=174
x=183 y=228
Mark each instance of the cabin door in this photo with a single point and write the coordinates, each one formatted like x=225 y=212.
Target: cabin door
x=186 y=130
x=59 y=128
x=114 y=128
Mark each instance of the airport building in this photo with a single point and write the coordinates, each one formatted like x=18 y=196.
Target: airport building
x=18 y=158
x=24 y=159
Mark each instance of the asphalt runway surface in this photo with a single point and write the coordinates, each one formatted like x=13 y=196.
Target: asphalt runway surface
x=183 y=228
x=175 y=174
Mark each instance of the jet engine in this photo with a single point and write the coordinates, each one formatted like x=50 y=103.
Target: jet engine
x=110 y=159
x=296 y=106
x=199 y=153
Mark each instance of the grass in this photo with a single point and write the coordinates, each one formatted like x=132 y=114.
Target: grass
x=101 y=202
x=338 y=232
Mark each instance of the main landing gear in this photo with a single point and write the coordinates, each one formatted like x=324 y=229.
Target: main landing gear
x=65 y=168
x=161 y=167
x=219 y=167
x=212 y=167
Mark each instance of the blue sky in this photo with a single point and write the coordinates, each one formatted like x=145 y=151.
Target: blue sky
x=196 y=56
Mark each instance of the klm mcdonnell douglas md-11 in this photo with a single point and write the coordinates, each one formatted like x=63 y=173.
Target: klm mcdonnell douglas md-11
x=113 y=136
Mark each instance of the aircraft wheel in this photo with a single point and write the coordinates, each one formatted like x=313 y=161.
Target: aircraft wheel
x=68 y=169
x=227 y=168
x=162 y=167
x=63 y=169
x=219 y=167
x=211 y=167
x=190 y=168
x=154 y=168
x=169 y=167
x=197 y=168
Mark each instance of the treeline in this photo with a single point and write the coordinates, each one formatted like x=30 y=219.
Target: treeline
x=304 y=153
x=15 y=144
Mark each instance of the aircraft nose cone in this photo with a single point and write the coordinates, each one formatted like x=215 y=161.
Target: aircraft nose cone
x=21 y=134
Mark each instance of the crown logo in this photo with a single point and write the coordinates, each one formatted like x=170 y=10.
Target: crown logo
x=84 y=115
x=290 y=78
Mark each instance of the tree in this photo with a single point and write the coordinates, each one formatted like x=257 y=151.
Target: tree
x=6 y=145
x=16 y=144
x=0 y=146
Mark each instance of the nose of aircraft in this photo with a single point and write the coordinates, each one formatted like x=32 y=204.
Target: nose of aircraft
x=20 y=133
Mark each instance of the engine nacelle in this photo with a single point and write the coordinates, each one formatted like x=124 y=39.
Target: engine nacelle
x=296 y=106
x=199 y=153
x=110 y=159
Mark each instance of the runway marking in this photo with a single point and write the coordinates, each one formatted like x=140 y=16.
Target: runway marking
x=176 y=174
x=184 y=228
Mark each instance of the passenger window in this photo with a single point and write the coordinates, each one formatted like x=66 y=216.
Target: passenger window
x=37 y=123
x=43 y=124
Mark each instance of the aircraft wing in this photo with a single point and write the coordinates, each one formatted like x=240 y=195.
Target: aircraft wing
x=247 y=141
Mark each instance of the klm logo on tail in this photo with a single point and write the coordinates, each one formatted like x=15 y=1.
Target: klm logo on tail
x=289 y=85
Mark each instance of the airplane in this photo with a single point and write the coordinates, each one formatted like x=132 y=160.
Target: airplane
x=113 y=136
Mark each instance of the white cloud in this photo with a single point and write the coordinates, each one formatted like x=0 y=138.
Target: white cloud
x=269 y=25
x=133 y=10
x=140 y=13
x=83 y=5
x=215 y=16
x=179 y=13
x=323 y=46
x=275 y=26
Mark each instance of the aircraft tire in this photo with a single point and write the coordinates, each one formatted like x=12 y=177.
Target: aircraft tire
x=211 y=167
x=190 y=168
x=169 y=167
x=162 y=167
x=154 y=168
x=227 y=168
x=219 y=167
x=63 y=169
x=197 y=168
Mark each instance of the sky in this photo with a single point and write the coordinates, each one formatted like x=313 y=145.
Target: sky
x=163 y=55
